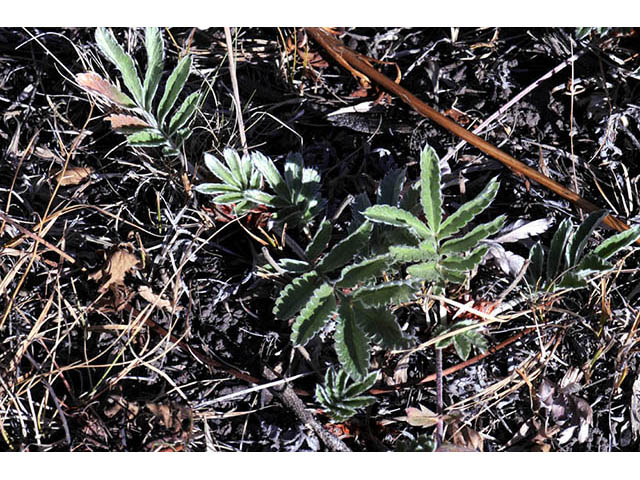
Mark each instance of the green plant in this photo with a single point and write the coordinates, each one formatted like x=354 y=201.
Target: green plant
x=341 y=398
x=238 y=176
x=295 y=198
x=149 y=127
x=351 y=297
x=567 y=264
x=436 y=255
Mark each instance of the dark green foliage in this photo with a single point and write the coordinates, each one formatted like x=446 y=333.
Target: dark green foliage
x=340 y=398
x=567 y=266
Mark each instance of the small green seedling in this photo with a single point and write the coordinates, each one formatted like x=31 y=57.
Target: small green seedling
x=567 y=264
x=341 y=398
x=295 y=198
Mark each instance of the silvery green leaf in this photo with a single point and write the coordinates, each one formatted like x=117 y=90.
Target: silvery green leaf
x=351 y=344
x=155 y=63
x=294 y=266
x=345 y=250
x=427 y=271
x=172 y=89
x=430 y=194
x=293 y=171
x=364 y=271
x=146 y=138
x=468 y=211
x=381 y=326
x=400 y=218
x=475 y=236
x=457 y=262
x=184 y=113
x=407 y=254
x=385 y=294
x=536 y=265
x=391 y=186
x=219 y=170
x=215 y=188
x=579 y=240
x=270 y=173
x=295 y=296
x=234 y=162
x=320 y=240
x=617 y=242
x=122 y=60
x=558 y=243
x=229 y=199
x=259 y=197
x=317 y=311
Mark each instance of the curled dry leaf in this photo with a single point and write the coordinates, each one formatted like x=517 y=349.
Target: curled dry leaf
x=94 y=83
x=129 y=122
x=118 y=265
x=73 y=176
x=146 y=293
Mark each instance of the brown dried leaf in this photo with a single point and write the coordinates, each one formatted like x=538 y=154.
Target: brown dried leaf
x=120 y=121
x=114 y=271
x=422 y=417
x=94 y=83
x=73 y=176
x=146 y=293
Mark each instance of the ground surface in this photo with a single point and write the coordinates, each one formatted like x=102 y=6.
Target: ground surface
x=87 y=364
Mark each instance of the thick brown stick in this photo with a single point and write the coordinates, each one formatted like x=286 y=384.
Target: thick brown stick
x=344 y=55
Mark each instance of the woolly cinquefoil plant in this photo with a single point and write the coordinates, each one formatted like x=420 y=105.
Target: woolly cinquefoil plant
x=149 y=122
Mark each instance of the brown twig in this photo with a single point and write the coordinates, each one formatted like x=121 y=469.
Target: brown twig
x=234 y=86
x=462 y=365
x=343 y=54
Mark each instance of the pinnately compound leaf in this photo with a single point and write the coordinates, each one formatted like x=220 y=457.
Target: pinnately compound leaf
x=467 y=212
x=364 y=271
x=184 y=113
x=320 y=240
x=384 y=294
x=146 y=138
x=122 y=60
x=471 y=239
x=346 y=249
x=172 y=89
x=351 y=344
x=430 y=194
x=399 y=218
x=617 y=242
x=314 y=315
x=295 y=296
x=380 y=325
x=155 y=63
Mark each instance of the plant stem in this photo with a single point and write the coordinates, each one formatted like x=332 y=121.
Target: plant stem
x=439 y=400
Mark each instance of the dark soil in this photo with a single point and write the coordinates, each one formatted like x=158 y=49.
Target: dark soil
x=86 y=370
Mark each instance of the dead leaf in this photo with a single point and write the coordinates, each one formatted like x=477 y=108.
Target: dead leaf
x=146 y=293
x=73 y=176
x=178 y=419
x=96 y=84
x=422 y=417
x=119 y=264
x=119 y=121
